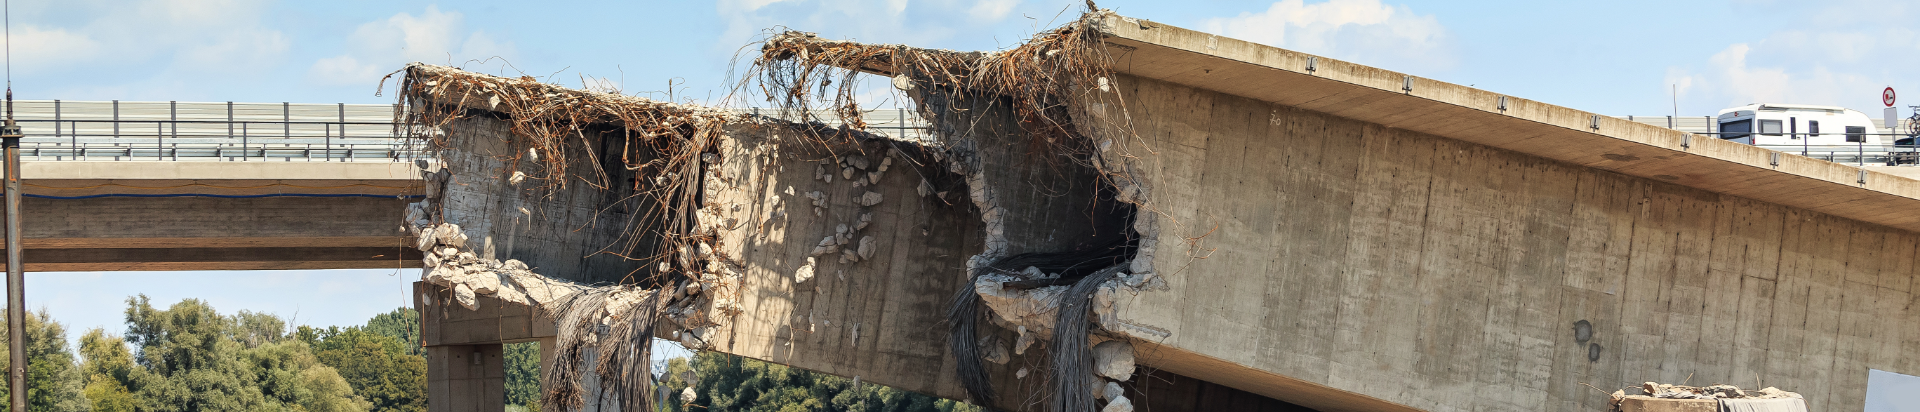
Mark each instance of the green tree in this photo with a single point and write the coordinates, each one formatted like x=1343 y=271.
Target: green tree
x=253 y=329
x=728 y=383
x=192 y=359
x=54 y=382
x=402 y=324
x=107 y=366
x=378 y=368
x=522 y=361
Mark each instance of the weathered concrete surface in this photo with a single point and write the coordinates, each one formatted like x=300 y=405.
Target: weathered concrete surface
x=880 y=318
x=877 y=318
x=565 y=232
x=1198 y=60
x=207 y=233
x=1645 y=404
x=1374 y=249
x=1331 y=239
x=467 y=377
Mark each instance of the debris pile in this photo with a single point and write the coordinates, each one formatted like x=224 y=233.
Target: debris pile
x=1729 y=397
x=555 y=130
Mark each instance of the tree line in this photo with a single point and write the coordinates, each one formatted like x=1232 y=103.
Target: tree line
x=723 y=382
x=189 y=357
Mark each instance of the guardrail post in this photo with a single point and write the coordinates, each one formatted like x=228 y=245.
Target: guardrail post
x=56 y=130
x=243 y=148
x=173 y=124
x=343 y=133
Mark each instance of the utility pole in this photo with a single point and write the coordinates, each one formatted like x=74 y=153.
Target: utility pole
x=16 y=288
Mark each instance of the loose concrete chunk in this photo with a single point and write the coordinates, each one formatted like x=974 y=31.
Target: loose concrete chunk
x=426 y=240
x=884 y=162
x=858 y=162
x=1025 y=340
x=873 y=178
x=865 y=218
x=992 y=350
x=846 y=173
x=416 y=211
x=827 y=245
x=1120 y=404
x=1114 y=360
x=451 y=235
x=871 y=198
x=1113 y=391
x=866 y=247
x=804 y=273
x=1020 y=374
x=848 y=255
x=689 y=341
x=464 y=294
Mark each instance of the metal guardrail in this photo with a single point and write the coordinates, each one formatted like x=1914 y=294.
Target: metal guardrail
x=898 y=123
x=1859 y=153
x=228 y=131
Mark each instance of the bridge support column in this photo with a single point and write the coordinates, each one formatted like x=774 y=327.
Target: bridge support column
x=466 y=378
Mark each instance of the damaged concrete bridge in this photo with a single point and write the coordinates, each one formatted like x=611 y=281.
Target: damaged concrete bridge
x=114 y=185
x=1121 y=214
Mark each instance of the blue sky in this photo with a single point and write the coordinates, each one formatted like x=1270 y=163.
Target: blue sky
x=1619 y=57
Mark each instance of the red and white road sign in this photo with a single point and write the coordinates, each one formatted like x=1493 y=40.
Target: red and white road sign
x=1887 y=96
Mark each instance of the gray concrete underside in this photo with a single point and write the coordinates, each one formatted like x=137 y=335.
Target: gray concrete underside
x=86 y=233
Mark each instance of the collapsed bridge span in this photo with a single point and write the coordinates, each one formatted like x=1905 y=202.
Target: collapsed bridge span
x=1232 y=218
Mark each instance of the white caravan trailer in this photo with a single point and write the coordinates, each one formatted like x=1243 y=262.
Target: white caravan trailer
x=1821 y=128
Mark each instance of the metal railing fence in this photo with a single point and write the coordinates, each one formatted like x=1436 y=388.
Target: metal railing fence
x=224 y=131
x=228 y=131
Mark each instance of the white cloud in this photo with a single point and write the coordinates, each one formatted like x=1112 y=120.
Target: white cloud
x=38 y=47
x=922 y=22
x=202 y=36
x=1362 y=31
x=1844 y=58
x=343 y=69
x=992 y=10
x=381 y=46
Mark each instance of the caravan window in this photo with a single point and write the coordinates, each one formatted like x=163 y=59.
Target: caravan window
x=1856 y=134
x=1736 y=129
x=1770 y=127
x=1813 y=127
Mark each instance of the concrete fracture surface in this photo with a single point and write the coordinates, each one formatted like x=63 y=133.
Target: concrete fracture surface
x=160 y=215
x=1304 y=234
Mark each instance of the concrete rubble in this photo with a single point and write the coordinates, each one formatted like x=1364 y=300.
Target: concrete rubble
x=1659 y=397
